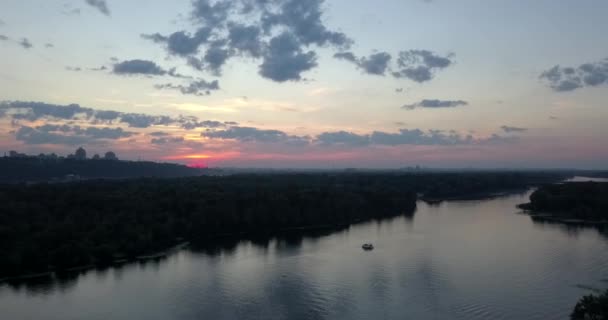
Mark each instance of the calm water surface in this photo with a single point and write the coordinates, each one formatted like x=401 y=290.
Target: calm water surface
x=457 y=260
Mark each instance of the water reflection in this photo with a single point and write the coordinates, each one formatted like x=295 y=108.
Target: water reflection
x=456 y=260
x=571 y=229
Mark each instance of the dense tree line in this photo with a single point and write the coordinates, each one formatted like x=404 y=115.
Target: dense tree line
x=470 y=185
x=58 y=226
x=34 y=169
x=64 y=225
x=579 y=200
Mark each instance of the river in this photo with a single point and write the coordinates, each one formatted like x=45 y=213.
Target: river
x=456 y=260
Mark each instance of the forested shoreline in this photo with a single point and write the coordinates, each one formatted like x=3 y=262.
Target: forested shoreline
x=54 y=227
x=570 y=202
x=33 y=169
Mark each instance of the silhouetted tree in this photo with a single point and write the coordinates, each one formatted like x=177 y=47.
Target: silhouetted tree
x=110 y=156
x=80 y=154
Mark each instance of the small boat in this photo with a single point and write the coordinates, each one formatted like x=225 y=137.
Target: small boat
x=367 y=246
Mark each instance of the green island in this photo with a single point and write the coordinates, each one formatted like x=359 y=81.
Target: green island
x=571 y=202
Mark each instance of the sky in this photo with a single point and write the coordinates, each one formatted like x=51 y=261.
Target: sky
x=309 y=83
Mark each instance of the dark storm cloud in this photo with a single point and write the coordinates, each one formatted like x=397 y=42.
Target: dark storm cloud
x=562 y=79
x=199 y=88
x=435 y=103
x=33 y=111
x=420 y=65
x=100 y=5
x=68 y=135
x=137 y=66
x=3 y=37
x=25 y=43
x=509 y=129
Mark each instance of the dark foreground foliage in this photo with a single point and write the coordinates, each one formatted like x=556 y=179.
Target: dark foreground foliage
x=591 y=307
x=575 y=200
x=58 y=226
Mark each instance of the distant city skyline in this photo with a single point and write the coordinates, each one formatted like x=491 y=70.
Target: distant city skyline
x=309 y=83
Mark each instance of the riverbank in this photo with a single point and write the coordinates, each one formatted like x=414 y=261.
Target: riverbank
x=572 y=203
x=53 y=273
x=472 y=196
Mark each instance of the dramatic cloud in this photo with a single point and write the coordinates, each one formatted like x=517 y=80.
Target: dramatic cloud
x=198 y=88
x=137 y=120
x=100 y=5
x=181 y=43
x=134 y=67
x=375 y=64
x=420 y=65
x=509 y=129
x=249 y=134
x=284 y=35
x=416 y=65
x=434 y=103
x=68 y=135
x=25 y=43
x=167 y=140
x=285 y=60
x=33 y=111
x=190 y=123
x=342 y=138
x=569 y=78
x=403 y=137
x=354 y=140
x=158 y=134
x=245 y=39
x=71 y=134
